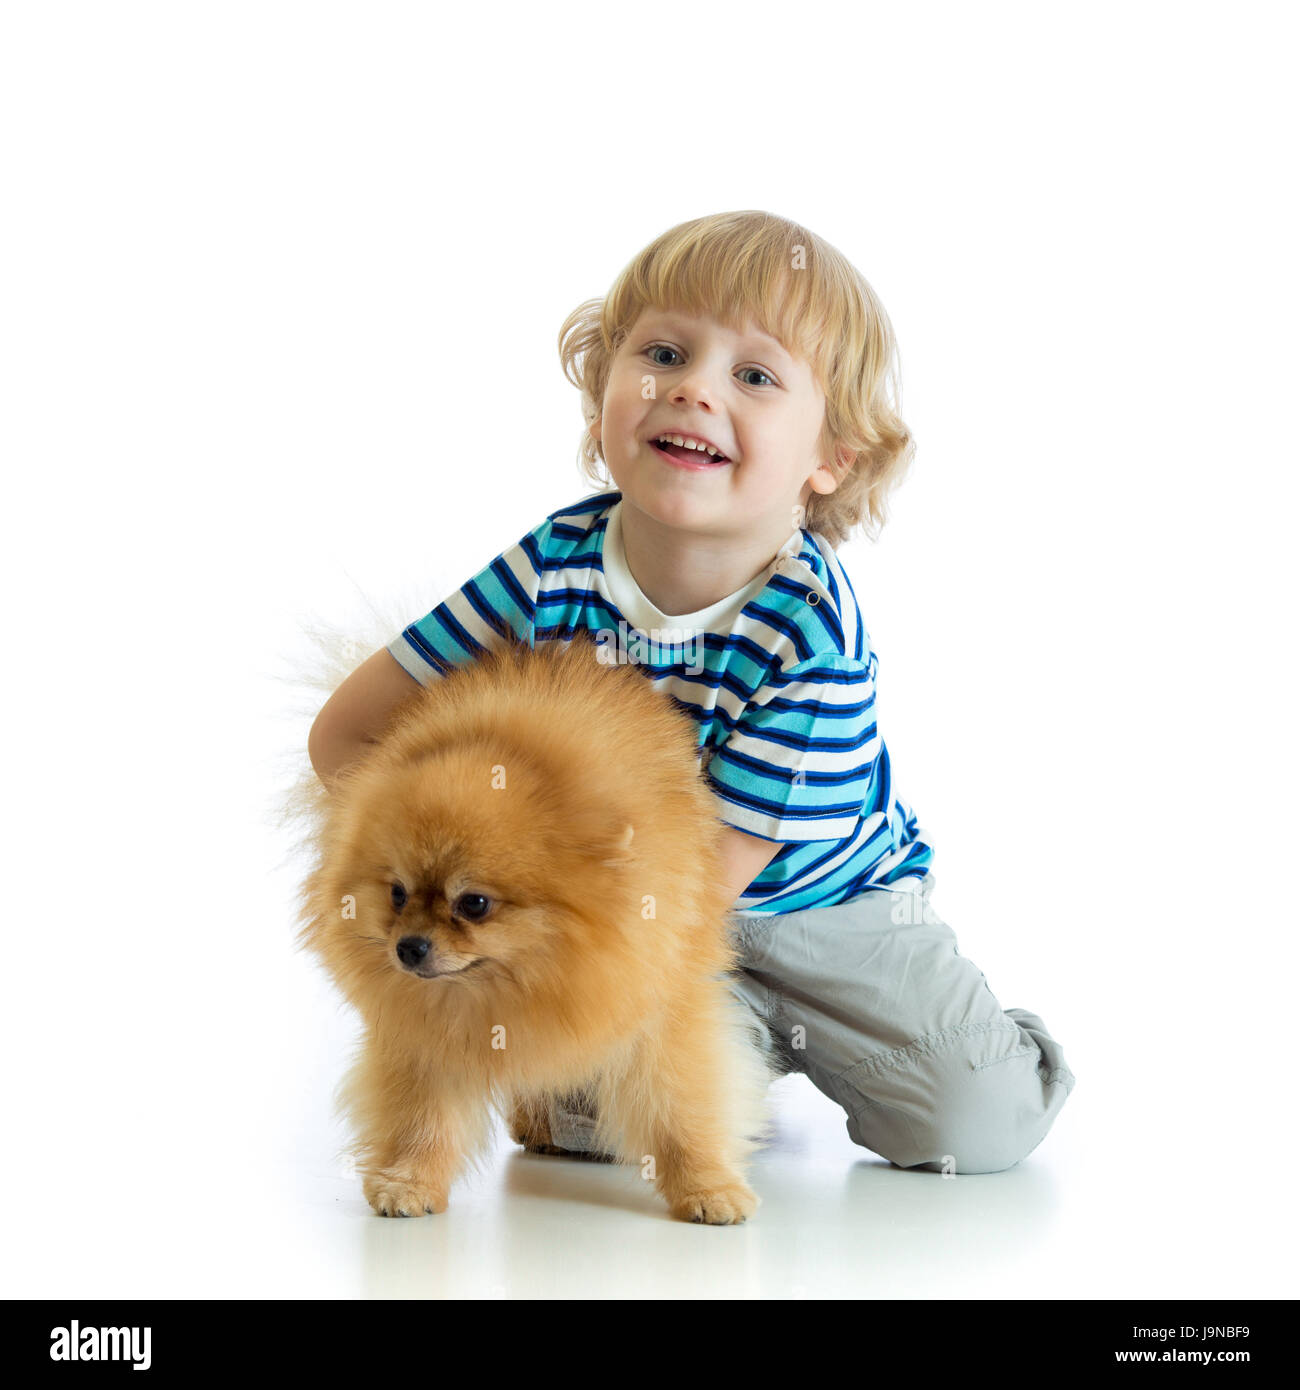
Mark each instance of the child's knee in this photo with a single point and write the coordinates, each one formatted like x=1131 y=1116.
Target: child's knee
x=963 y=1102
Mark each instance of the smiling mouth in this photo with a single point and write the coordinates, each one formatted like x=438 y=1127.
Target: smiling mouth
x=683 y=457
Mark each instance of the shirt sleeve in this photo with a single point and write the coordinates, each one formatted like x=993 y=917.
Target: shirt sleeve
x=496 y=606
x=800 y=762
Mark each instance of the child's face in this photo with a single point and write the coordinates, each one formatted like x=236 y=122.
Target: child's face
x=742 y=392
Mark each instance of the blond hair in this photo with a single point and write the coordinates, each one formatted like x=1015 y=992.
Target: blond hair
x=796 y=288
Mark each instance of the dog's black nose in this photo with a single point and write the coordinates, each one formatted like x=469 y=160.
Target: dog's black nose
x=411 y=950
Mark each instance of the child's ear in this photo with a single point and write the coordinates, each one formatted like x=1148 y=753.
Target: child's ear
x=829 y=476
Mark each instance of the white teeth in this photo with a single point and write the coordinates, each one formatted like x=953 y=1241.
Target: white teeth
x=688 y=444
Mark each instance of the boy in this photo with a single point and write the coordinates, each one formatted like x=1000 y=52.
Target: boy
x=734 y=384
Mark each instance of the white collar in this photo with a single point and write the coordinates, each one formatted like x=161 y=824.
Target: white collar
x=641 y=613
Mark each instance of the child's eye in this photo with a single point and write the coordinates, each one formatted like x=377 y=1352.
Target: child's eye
x=663 y=347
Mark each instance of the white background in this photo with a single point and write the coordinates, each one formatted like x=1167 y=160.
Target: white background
x=279 y=297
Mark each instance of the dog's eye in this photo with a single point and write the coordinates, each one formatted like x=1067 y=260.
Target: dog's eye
x=472 y=905
x=399 y=896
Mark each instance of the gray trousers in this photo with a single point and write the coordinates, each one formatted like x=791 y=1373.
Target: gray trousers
x=872 y=1002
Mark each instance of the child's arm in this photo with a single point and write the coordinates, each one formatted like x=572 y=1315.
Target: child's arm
x=356 y=712
x=744 y=857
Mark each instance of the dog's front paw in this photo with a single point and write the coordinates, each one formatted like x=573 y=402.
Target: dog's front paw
x=727 y=1205
x=399 y=1194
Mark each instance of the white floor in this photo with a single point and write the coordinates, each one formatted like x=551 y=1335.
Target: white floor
x=835 y=1221
x=170 y=1135
x=233 y=1190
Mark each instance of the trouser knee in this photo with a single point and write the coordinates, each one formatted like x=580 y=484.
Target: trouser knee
x=972 y=1101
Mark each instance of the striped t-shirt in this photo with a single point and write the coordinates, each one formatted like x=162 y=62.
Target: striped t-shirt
x=780 y=678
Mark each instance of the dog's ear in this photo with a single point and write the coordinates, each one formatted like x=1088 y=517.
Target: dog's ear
x=618 y=852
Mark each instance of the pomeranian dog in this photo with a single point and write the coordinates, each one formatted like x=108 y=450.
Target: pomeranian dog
x=519 y=889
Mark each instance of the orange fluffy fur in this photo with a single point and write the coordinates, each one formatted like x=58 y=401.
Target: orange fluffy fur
x=559 y=852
